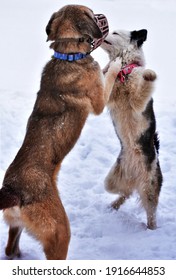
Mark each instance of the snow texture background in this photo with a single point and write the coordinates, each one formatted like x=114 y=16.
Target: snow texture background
x=97 y=232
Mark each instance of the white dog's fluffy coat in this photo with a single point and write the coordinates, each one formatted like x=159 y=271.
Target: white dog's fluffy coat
x=131 y=110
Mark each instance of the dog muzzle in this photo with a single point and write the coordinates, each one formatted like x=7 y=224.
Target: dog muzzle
x=102 y=23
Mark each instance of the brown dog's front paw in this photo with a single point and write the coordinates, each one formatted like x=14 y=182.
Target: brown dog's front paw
x=149 y=75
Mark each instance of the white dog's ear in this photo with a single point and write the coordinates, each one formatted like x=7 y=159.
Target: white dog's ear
x=139 y=36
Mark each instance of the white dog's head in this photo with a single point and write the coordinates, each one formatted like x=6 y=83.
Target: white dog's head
x=127 y=45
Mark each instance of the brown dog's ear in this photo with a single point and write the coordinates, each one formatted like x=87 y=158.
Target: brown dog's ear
x=48 y=27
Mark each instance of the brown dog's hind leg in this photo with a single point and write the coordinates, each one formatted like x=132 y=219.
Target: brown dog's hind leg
x=48 y=223
x=12 y=249
x=12 y=216
x=56 y=244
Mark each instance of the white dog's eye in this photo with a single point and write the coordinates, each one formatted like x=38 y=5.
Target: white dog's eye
x=115 y=33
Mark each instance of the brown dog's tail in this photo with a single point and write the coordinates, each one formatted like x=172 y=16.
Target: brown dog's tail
x=8 y=199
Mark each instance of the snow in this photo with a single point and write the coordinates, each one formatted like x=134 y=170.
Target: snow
x=97 y=232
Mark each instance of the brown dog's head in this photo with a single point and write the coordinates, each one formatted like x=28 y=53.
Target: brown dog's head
x=73 y=28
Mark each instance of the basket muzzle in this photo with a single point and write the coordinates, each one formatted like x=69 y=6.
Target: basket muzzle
x=102 y=23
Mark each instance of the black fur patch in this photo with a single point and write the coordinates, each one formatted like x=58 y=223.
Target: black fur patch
x=139 y=36
x=159 y=177
x=156 y=142
x=149 y=139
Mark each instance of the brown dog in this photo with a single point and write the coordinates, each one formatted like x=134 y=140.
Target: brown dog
x=72 y=86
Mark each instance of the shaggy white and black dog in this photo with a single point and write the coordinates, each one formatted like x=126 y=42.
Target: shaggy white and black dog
x=131 y=109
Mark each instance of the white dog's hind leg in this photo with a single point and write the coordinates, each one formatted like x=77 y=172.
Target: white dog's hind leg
x=116 y=183
x=149 y=193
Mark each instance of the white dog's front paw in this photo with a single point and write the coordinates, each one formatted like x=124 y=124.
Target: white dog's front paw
x=115 y=65
x=149 y=75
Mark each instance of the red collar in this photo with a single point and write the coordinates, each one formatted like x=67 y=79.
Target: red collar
x=125 y=71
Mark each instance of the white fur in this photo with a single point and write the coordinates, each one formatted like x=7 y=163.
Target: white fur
x=127 y=104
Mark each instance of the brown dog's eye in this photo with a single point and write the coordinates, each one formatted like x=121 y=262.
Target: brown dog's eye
x=79 y=25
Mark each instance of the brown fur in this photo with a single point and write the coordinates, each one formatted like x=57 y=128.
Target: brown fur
x=69 y=91
x=131 y=109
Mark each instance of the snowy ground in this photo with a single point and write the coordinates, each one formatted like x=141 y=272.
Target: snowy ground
x=97 y=232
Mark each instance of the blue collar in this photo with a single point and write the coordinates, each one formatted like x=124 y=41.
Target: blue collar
x=70 y=57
